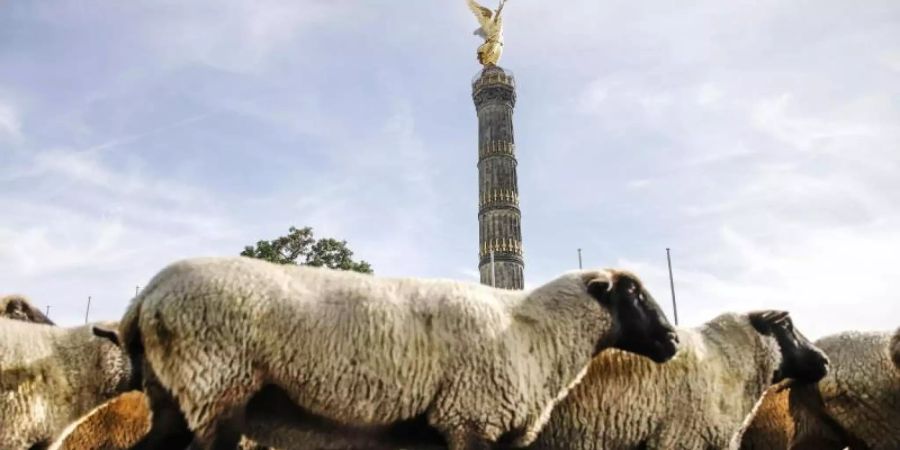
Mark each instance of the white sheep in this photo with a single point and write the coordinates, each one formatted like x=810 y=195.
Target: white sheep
x=18 y=307
x=700 y=399
x=482 y=364
x=50 y=376
x=857 y=404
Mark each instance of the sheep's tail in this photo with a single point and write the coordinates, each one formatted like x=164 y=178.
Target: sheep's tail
x=130 y=330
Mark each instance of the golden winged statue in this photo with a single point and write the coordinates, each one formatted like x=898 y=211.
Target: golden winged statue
x=491 y=30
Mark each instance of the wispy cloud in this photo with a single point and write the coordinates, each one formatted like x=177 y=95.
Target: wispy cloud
x=10 y=125
x=757 y=147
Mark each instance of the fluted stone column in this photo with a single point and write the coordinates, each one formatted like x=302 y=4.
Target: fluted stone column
x=499 y=217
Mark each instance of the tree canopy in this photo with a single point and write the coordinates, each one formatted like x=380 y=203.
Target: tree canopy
x=301 y=248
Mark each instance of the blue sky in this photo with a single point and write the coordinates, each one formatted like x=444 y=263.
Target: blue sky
x=759 y=140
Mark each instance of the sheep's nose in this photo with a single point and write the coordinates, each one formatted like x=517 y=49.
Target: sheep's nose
x=673 y=336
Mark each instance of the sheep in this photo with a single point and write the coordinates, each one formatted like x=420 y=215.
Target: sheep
x=482 y=364
x=50 y=376
x=772 y=426
x=19 y=308
x=895 y=348
x=700 y=399
x=857 y=404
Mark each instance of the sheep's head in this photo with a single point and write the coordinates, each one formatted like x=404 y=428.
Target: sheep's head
x=17 y=307
x=800 y=359
x=640 y=326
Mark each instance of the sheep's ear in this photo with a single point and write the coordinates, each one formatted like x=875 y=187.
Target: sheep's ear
x=600 y=290
x=112 y=335
x=765 y=321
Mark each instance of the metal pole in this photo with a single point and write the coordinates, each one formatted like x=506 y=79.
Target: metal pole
x=88 y=310
x=136 y=289
x=579 y=259
x=493 y=273
x=672 y=285
x=48 y=311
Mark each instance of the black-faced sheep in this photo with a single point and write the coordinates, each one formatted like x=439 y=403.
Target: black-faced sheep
x=50 y=376
x=698 y=400
x=858 y=404
x=17 y=307
x=481 y=364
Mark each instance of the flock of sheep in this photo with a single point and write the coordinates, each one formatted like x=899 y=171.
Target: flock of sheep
x=227 y=353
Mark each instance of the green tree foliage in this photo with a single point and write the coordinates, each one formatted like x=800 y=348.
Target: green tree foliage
x=300 y=247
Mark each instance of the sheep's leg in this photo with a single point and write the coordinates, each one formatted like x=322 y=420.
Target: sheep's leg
x=168 y=428
x=223 y=435
x=467 y=440
x=815 y=434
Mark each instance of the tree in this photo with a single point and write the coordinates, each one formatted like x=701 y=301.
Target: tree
x=300 y=247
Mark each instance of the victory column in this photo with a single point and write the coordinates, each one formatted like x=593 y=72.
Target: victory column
x=499 y=218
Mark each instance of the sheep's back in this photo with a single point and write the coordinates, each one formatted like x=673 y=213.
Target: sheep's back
x=338 y=342
x=25 y=342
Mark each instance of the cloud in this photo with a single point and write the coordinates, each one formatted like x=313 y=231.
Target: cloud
x=233 y=35
x=10 y=124
x=803 y=133
x=825 y=278
x=757 y=146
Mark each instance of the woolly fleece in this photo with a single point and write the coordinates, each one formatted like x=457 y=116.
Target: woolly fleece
x=772 y=427
x=50 y=376
x=857 y=403
x=699 y=399
x=364 y=350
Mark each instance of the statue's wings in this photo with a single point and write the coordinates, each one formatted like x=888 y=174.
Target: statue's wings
x=484 y=15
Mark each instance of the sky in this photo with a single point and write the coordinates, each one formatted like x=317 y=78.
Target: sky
x=760 y=141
